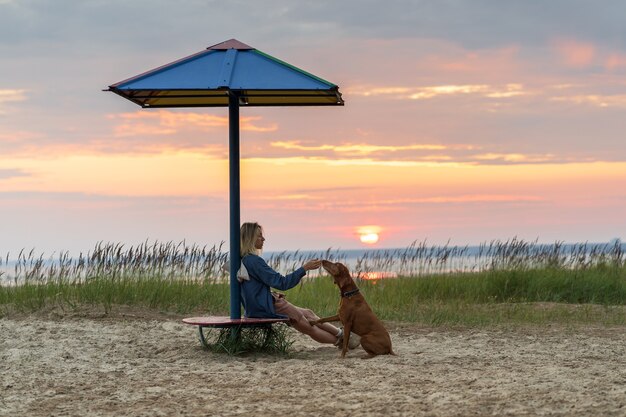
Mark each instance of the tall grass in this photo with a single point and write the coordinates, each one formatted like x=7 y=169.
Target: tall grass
x=420 y=258
x=157 y=275
x=437 y=285
x=116 y=261
x=522 y=293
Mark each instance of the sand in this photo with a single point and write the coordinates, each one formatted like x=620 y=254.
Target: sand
x=146 y=364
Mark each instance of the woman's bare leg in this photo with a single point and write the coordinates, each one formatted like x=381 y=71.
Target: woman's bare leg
x=324 y=333
x=310 y=315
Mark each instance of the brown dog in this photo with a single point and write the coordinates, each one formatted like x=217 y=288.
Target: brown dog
x=356 y=315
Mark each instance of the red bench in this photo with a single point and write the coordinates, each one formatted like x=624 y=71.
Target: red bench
x=224 y=322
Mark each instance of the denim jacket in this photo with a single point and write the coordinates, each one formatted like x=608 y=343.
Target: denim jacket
x=256 y=294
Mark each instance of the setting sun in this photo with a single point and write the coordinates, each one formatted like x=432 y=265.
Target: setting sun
x=369 y=238
x=368 y=235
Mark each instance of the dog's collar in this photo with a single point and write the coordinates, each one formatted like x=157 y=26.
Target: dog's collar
x=349 y=294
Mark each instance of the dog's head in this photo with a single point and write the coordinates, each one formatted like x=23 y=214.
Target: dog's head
x=339 y=272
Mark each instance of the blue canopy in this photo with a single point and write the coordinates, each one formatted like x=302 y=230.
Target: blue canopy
x=230 y=74
x=205 y=79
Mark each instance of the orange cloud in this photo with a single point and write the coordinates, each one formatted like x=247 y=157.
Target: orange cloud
x=447 y=90
x=139 y=129
x=12 y=95
x=168 y=123
x=182 y=173
x=377 y=91
x=356 y=149
x=574 y=53
x=595 y=100
x=362 y=162
x=430 y=92
x=515 y=157
x=287 y=197
x=400 y=156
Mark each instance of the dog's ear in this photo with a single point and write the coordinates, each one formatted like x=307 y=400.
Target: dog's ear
x=343 y=275
x=343 y=270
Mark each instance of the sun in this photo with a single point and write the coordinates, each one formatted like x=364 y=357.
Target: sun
x=368 y=235
x=369 y=238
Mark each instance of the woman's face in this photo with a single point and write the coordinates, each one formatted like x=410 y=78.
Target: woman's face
x=258 y=243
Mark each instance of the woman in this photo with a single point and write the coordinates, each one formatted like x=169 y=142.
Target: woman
x=257 y=277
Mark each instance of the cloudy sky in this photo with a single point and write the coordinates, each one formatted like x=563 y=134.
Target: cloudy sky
x=465 y=121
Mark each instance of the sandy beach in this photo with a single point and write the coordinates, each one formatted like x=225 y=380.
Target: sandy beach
x=139 y=363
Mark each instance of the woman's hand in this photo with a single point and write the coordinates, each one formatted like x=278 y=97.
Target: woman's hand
x=312 y=264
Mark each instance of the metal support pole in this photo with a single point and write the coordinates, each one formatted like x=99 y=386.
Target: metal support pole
x=235 y=257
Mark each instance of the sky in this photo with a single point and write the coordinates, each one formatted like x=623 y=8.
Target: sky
x=464 y=122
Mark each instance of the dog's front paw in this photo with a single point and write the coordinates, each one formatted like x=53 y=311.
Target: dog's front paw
x=313 y=322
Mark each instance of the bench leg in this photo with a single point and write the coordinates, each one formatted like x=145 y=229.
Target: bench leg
x=202 y=338
x=269 y=331
x=235 y=333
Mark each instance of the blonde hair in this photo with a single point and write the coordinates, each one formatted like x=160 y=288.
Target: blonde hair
x=248 y=236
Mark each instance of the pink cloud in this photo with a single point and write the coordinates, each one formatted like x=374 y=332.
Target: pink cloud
x=417 y=62
x=575 y=53
x=615 y=61
x=329 y=202
x=478 y=62
x=18 y=136
x=169 y=123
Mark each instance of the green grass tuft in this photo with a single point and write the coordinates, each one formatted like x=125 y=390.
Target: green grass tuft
x=275 y=339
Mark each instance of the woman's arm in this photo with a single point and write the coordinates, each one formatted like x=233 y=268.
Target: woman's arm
x=259 y=269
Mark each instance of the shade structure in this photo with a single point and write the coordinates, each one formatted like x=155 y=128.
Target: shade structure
x=207 y=78
x=231 y=74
